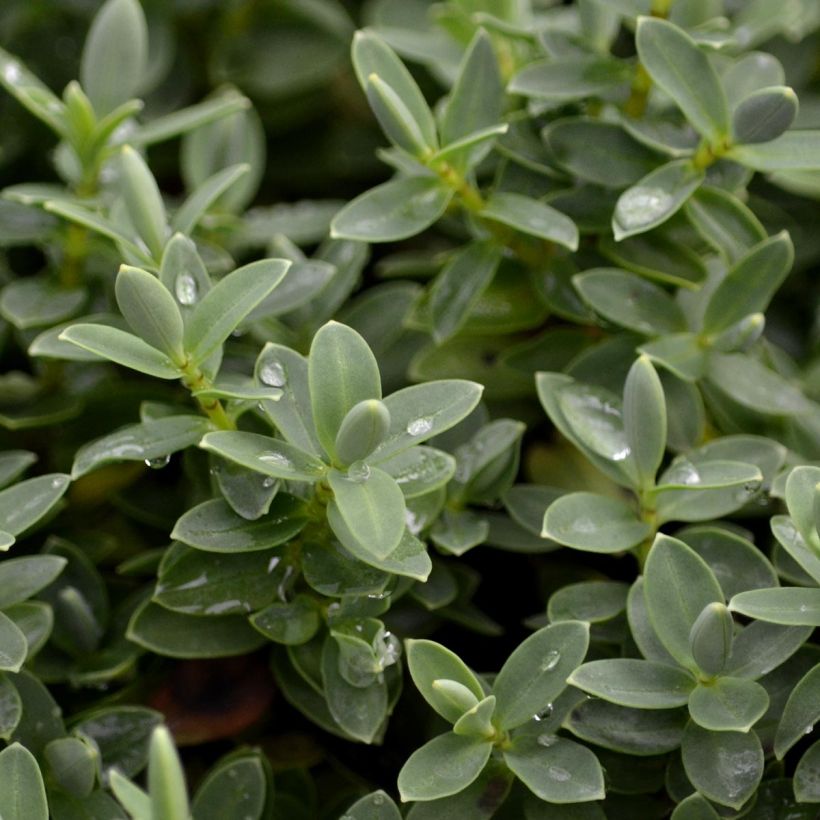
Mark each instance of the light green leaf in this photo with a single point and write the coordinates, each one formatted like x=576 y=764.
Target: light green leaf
x=372 y=506
x=445 y=765
x=377 y=805
x=143 y=201
x=263 y=454
x=750 y=284
x=678 y=66
x=11 y=707
x=151 y=311
x=655 y=198
x=429 y=662
x=419 y=470
x=594 y=523
x=371 y=55
x=678 y=584
x=794 y=606
x=135 y=801
x=556 y=770
x=794 y=151
x=23 y=796
x=536 y=672
x=591 y=601
x=121 y=347
x=569 y=79
x=166 y=778
x=801 y=712
x=73 y=765
x=394 y=210
x=206 y=194
x=636 y=683
x=644 y=415
x=395 y=118
x=20 y=578
x=657 y=256
x=362 y=430
x=228 y=303
x=23 y=504
x=805 y=776
x=764 y=115
x=115 y=55
x=13 y=645
x=30 y=92
x=342 y=371
x=761 y=647
x=630 y=301
x=291 y=623
x=726 y=767
x=710 y=639
x=728 y=704
x=422 y=411
x=695 y=807
x=234 y=788
x=38 y=301
x=533 y=217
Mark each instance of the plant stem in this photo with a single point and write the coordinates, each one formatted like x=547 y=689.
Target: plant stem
x=195 y=379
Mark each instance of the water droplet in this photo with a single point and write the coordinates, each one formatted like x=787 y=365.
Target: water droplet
x=279 y=459
x=547 y=740
x=358 y=472
x=186 y=289
x=333 y=609
x=284 y=585
x=684 y=472
x=157 y=463
x=420 y=426
x=622 y=454
x=268 y=482
x=273 y=563
x=12 y=73
x=544 y=713
x=641 y=204
x=56 y=483
x=551 y=660
x=809 y=729
x=378 y=799
x=273 y=374
x=558 y=773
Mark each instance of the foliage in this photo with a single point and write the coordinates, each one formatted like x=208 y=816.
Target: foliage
x=486 y=490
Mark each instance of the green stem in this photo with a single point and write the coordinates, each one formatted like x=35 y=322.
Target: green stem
x=195 y=379
x=635 y=106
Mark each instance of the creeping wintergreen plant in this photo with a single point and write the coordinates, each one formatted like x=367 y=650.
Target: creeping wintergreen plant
x=257 y=476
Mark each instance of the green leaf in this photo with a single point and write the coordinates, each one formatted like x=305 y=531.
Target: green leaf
x=146 y=441
x=750 y=284
x=556 y=770
x=795 y=150
x=377 y=805
x=726 y=767
x=430 y=662
x=477 y=721
x=419 y=470
x=151 y=311
x=38 y=301
x=794 y=606
x=188 y=636
x=214 y=527
x=115 y=55
x=421 y=411
x=371 y=55
x=644 y=414
x=676 y=64
x=801 y=712
x=477 y=98
x=73 y=765
x=728 y=704
x=532 y=217
x=291 y=623
x=655 y=198
x=630 y=301
x=121 y=347
x=445 y=765
x=764 y=115
x=266 y=455
x=359 y=710
x=599 y=151
x=166 y=779
x=372 y=506
x=636 y=683
x=695 y=807
x=678 y=584
x=342 y=371
x=761 y=647
x=26 y=503
x=11 y=708
x=395 y=118
x=657 y=256
x=362 y=430
x=143 y=201
x=394 y=210
x=569 y=79
x=23 y=796
x=30 y=92
x=591 y=601
x=594 y=523
x=224 y=307
x=536 y=672
x=805 y=776
x=710 y=639
x=135 y=801
x=20 y=578
x=724 y=221
x=460 y=285
x=236 y=787
x=205 y=195
x=13 y=645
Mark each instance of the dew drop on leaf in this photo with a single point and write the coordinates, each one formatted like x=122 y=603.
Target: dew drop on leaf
x=558 y=773
x=272 y=374
x=420 y=426
x=551 y=660
x=185 y=289
x=358 y=472
x=547 y=740
x=544 y=713
x=278 y=459
x=12 y=73
x=157 y=463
